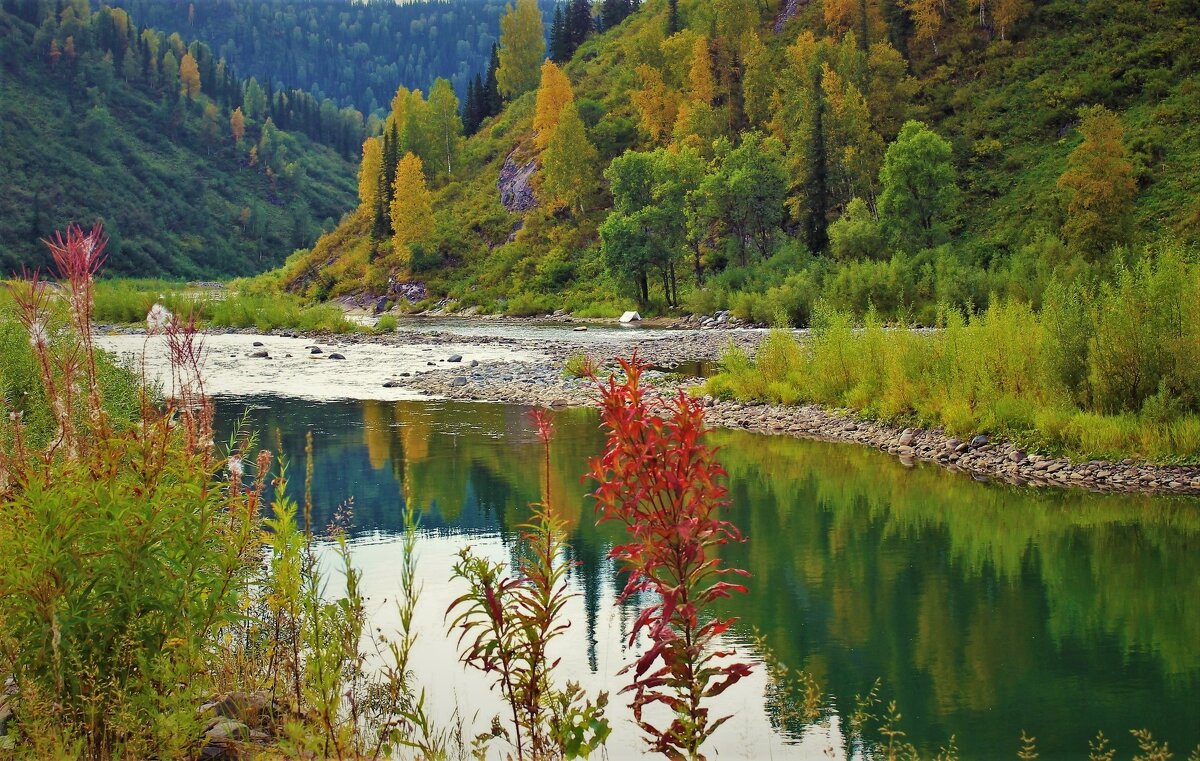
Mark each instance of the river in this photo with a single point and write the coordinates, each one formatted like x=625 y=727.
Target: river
x=983 y=609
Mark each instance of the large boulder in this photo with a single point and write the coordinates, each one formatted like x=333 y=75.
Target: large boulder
x=516 y=184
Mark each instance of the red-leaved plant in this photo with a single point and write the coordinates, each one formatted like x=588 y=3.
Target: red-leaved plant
x=661 y=480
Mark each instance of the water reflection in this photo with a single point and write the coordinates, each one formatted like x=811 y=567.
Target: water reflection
x=985 y=609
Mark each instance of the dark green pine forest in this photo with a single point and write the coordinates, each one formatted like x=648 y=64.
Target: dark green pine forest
x=355 y=54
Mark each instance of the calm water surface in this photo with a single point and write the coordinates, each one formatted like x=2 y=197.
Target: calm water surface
x=984 y=610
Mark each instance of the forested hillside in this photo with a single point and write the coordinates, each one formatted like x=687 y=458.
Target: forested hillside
x=768 y=156
x=189 y=168
x=353 y=53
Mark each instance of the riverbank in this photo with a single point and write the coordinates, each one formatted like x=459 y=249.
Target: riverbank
x=476 y=363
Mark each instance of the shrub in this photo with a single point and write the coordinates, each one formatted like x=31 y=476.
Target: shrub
x=387 y=323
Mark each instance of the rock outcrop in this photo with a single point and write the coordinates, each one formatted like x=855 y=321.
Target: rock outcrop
x=788 y=12
x=516 y=184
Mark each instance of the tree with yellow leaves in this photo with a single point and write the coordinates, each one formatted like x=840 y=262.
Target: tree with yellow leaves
x=237 y=125
x=522 y=48
x=657 y=104
x=412 y=208
x=1099 y=183
x=569 y=163
x=553 y=95
x=700 y=76
x=369 y=171
x=1006 y=14
x=927 y=19
x=189 y=76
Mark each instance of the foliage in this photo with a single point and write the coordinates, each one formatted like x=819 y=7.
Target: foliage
x=522 y=48
x=919 y=192
x=1104 y=372
x=569 y=163
x=580 y=366
x=1100 y=184
x=86 y=140
x=660 y=479
x=506 y=625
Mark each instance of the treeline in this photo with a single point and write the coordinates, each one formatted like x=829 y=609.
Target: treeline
x=193 y=176
x=354 y=54
x=109 y=44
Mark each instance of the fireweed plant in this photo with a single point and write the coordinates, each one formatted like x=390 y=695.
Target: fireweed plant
x=505 y=627
x=659 y=478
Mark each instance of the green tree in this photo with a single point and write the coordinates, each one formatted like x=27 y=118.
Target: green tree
x=569 y=162
x=856 y=234
x=1099 y=183
x=445 y=122
x=522 y=48
x=919 y=194
x=743 y=197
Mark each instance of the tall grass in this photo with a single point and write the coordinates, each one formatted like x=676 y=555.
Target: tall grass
x=1111 y=371
x=128 y=302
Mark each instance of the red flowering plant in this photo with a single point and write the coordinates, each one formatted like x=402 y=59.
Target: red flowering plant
x=661 y=480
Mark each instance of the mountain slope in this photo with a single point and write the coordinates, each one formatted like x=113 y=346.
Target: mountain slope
x=178 y=196
x=1005 y=94
x=354 y=53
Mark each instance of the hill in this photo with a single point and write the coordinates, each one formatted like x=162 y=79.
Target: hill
x=355 y=54
x=103 y=120
x=1052 y=141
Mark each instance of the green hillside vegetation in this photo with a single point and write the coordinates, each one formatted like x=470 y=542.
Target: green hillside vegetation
x=144 y=141
x=352 y=53
x=999 y=108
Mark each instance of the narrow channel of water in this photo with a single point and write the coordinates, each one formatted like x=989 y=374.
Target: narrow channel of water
x=985 y=610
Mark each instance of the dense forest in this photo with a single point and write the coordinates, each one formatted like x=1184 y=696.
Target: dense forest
x=761 y=156
x=355 y=54
x=194 y=172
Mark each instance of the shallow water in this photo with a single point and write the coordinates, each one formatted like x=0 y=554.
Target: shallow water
x=984 y=610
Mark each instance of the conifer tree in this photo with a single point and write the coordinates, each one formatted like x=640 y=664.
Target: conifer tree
x=522 y=48
x=554 y=93
x=391 y=157
x=569 y=163
x=493 y=101
x=578 y=23
x=1099 y=183
x=560 y=42
x=657 y=104
x=673 y=24
x=411 y=209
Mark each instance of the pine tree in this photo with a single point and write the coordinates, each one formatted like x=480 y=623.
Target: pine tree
x=411 y=209
x=578 y=23
x=569 y=163
x=553 y=95
x=673 y=24
x=560 y=40
x=522 y=48
x=470 y=110
x=493 y=100
x=391 y=157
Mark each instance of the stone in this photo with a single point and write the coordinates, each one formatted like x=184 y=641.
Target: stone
x=906 y=438
x=1017 y=456
x=961 y=448
x=581 y=329
x=259 y=355
x=979 y=441
x=316 y=350
x=335 y=355
x=474 y=363
x=222 y=730
x=392 y=384
x=454 y=358
x=458 y=382
x=257 y=343
x=559 y=403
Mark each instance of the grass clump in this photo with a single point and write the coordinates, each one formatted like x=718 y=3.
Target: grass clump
x=387 y=323
x=1110 y=371
x=580 y=366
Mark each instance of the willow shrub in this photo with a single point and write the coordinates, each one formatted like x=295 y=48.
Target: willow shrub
x=1112 y=371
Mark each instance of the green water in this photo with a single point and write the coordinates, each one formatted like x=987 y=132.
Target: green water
x=985 y=610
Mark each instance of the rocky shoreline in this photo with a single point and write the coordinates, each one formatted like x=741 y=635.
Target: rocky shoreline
x=541 y=383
